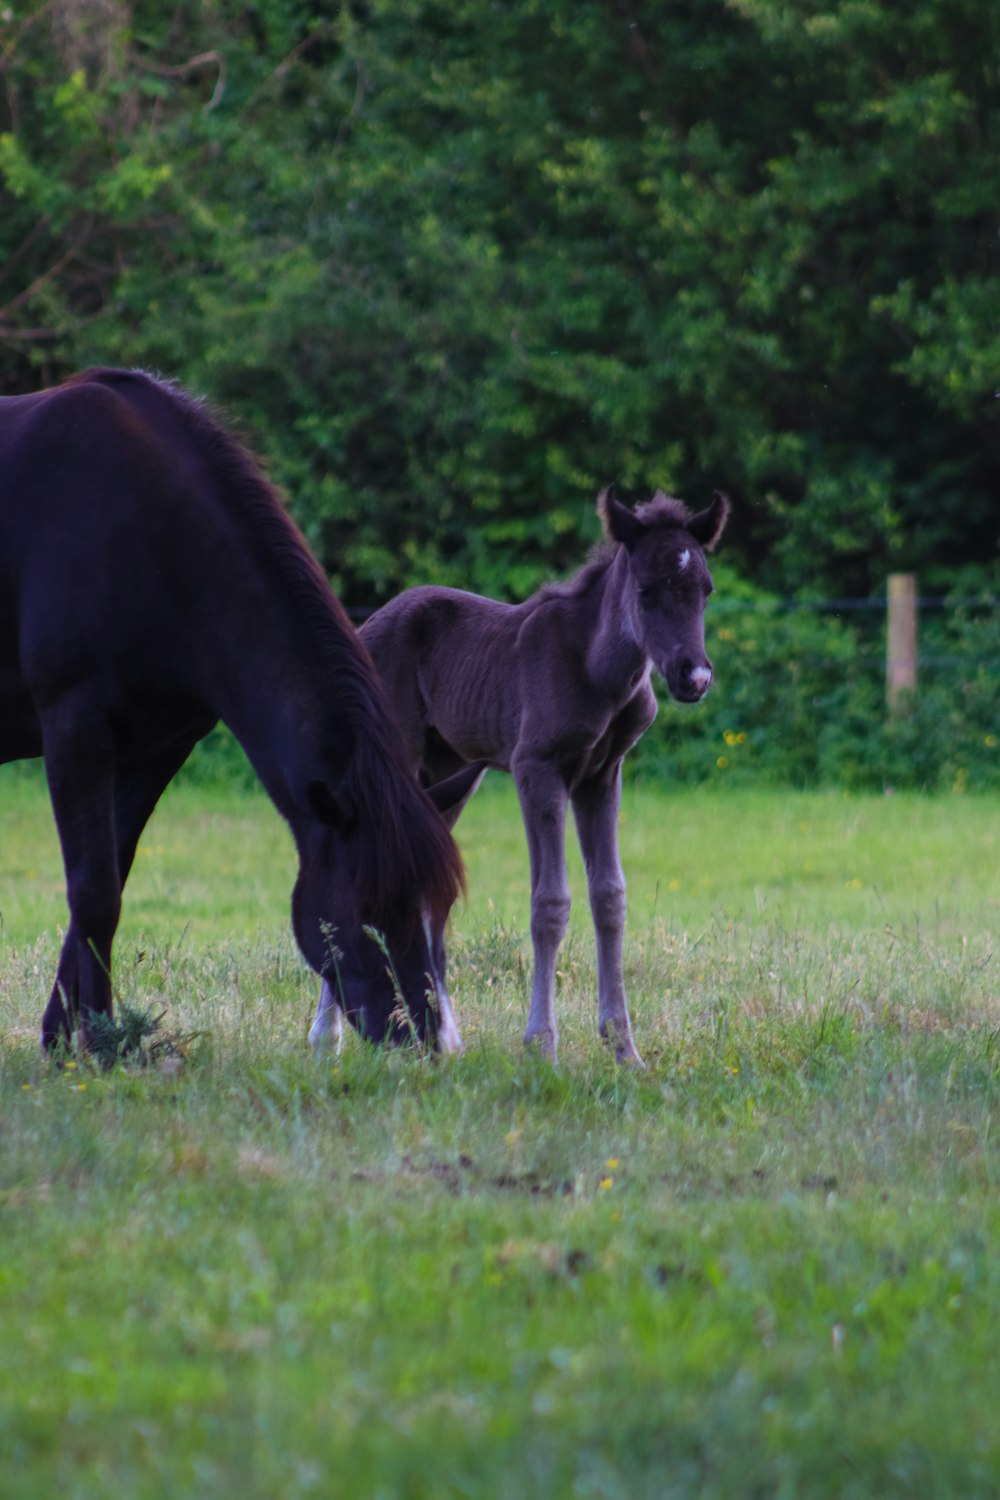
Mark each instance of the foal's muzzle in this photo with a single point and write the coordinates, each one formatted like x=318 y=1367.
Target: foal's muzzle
x=689 y=683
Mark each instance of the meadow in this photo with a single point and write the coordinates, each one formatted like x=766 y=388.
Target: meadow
x=762 y=1266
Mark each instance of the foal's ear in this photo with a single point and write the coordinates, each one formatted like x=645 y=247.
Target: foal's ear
x=334 y=808
x=708 y=525
x=619 y=523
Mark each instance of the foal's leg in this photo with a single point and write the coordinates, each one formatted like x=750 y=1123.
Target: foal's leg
x=543 y=805
x=595 y=808
x=137 y=789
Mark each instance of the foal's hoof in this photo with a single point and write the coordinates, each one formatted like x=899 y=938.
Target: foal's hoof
x=625 y=1048
x=544 y=1043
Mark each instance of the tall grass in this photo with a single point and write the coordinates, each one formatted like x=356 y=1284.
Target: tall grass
x=762 y=1265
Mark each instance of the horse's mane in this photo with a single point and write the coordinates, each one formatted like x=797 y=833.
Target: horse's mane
x=404 y=853
x=663 y=510
x=600 y=558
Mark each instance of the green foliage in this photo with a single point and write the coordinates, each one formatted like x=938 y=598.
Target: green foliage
x=454 y=267
x=799 y=699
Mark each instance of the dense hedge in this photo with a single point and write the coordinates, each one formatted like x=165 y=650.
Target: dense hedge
x=453 y=266
x=456 y=265
x=799 y=699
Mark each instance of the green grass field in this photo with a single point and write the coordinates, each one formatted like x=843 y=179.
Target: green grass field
x=765 y=1265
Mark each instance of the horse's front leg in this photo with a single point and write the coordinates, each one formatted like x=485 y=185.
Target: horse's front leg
x=79 y=763
x=595 y=809
x=57 y=1023
x=326 y=1034
x=543 y=797
x=137 y=787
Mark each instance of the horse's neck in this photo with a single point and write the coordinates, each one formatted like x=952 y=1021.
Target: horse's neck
x=256 y=716
x=614 y=656
x=282 y=705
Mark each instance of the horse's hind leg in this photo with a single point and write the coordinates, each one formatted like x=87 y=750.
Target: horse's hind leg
x=595 y=808
x=543 y=804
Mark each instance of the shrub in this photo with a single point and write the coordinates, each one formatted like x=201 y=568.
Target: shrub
x=799 y=700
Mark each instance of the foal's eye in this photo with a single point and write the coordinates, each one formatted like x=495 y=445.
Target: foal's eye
x=648 y=593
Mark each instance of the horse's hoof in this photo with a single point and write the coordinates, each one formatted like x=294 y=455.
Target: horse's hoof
x=54 y=1042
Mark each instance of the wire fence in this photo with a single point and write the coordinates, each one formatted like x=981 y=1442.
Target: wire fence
x=989 y=602
x=868 y=612
x=870 y=618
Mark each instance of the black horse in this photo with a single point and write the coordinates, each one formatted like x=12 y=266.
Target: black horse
x=151 y=583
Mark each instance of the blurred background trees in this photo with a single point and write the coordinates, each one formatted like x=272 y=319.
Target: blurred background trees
x=451 y=267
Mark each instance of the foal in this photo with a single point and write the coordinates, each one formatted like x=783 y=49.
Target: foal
x=556 y=690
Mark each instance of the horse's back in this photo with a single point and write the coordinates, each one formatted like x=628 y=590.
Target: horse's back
x=70 y=459
x=84 y=497
x=93 y=565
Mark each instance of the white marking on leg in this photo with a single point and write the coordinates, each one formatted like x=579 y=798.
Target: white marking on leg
x=449 y=1039
x=326 y=1033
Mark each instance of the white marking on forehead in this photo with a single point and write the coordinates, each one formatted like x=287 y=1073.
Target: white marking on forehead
x=684 y=558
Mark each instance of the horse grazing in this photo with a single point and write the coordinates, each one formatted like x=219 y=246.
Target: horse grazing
x=151 y=583
x=555 y=691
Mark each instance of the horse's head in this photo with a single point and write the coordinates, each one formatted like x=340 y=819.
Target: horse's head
x=373 y=928
x=668 y=583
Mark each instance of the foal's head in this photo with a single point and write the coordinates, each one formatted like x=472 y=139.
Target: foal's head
x=668 y=582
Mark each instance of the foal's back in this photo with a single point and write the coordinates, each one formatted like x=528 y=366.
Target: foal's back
x=465 y=674
x=448 y=660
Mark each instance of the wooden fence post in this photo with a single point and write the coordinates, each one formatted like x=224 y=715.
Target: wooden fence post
x=901 y=639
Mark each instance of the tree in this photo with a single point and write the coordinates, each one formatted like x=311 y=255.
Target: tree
x=455 y=266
